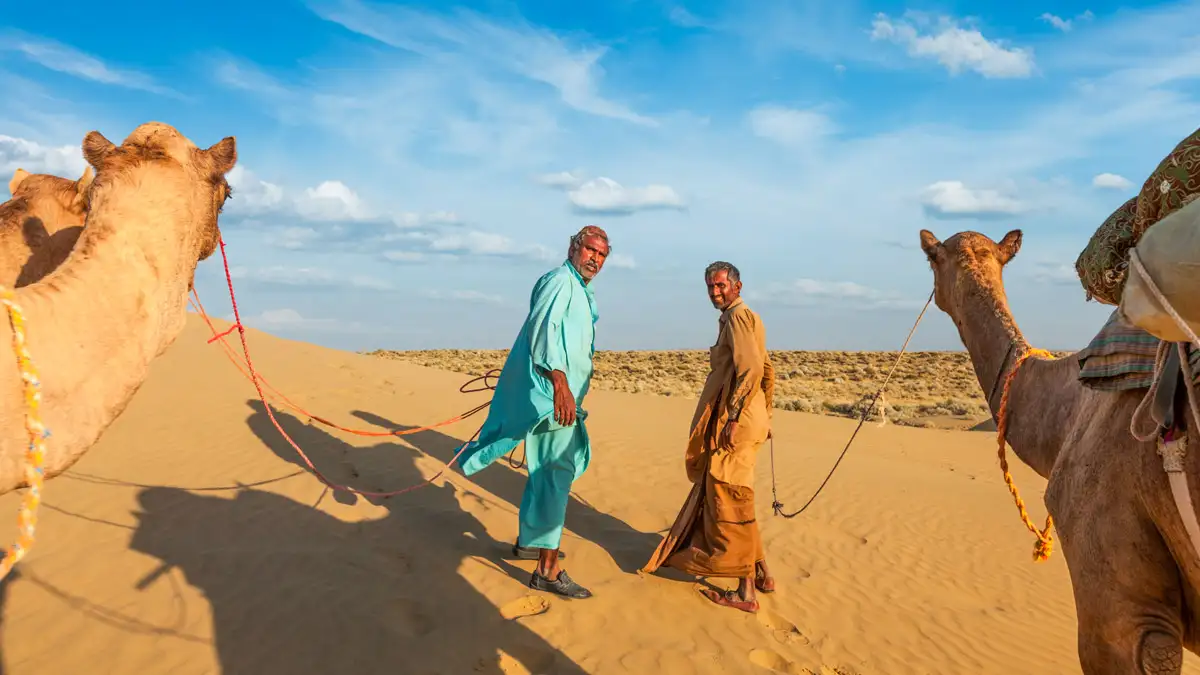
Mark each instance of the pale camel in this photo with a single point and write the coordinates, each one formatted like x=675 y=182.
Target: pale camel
x=40 y=224
x=1133 y=571
x=95 y=324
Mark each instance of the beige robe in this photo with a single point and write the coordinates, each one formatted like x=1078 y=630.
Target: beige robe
x=716 y=532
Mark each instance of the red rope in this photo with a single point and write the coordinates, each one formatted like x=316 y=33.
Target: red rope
x=233 y=358
x=254 y=378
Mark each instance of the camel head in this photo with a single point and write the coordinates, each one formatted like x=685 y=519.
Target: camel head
x=50 y=198
x=161 y=163
x=964 y=262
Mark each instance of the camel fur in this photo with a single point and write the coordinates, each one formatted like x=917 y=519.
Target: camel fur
x=1132 y=567
x=40 y=224
x=96 y=323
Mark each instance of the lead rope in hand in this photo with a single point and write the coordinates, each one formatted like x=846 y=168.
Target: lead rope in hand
x=776 y=505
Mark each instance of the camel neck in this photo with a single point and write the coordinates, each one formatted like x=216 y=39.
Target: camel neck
x=1035 y=400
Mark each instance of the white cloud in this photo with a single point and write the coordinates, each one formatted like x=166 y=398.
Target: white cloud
x=681 y=17
x=606 y=196
x=404 y=256
x=422 y=246
x=1065 y=25
x=848 y=294
x=290 y=320
x=65 y=59
x=789 y=126
x=308 y=277
x=950 y=199
x=296 y=237
x=620 y=260
x=1062 y=24
x=1052 y=272
x=251 y=194
x=562 y=180
x=17 y=153
x=522 y=49
x=954 y=47
x=468 y=296
x=332 y=200
x=1111 y=181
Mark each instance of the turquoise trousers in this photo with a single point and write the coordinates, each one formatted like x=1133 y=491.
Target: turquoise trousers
x=556 y=458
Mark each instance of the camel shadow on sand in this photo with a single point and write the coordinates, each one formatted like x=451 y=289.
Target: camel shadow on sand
x=5 y=585
x=295 y=590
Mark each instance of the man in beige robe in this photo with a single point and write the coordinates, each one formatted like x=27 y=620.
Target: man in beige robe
x=716 y=533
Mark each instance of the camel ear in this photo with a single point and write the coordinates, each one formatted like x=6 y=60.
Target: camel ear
x=96 y=148
x=18 y=176
x=222 y=155
x=1009 y=245
x=85 y=181
x=930 y=245
x=34 y=232
x=83 y=184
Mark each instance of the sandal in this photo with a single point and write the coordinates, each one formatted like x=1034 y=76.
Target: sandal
x=730 y=599
x=765 y=584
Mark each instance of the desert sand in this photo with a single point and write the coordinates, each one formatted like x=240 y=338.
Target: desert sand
x=191 y=540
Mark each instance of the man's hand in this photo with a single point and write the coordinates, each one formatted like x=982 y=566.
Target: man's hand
x=564 y=400
x=727 y=433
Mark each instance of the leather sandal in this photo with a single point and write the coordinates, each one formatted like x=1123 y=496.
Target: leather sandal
x=730 y=599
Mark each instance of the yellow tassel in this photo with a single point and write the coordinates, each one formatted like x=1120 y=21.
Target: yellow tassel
x=35 y=454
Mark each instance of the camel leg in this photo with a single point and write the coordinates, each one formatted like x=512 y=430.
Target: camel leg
x=1128 y=597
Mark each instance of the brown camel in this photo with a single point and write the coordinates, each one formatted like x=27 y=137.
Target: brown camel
x=95 y=323
x=40 y=224
x=1132 y=566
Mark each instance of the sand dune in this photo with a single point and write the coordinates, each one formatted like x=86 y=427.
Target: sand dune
x=189 y=541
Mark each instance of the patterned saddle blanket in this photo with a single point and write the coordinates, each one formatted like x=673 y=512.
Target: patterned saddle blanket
x=1121 y=358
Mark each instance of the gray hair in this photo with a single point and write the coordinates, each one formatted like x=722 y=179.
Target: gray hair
x=721 y=266
x=588 y=231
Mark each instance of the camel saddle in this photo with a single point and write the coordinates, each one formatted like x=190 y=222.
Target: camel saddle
x=1121 y=358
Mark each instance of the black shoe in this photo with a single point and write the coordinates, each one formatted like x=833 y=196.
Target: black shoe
x=531 y=553
x=563 y=585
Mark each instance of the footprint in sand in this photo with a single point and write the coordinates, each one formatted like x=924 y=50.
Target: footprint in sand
x=765 y=658
x=530 y=605
x=785 y=631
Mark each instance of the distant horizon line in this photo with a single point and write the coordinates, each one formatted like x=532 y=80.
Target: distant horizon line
x=699 y=349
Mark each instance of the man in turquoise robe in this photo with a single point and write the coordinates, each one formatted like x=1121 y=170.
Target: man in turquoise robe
x=539 y=401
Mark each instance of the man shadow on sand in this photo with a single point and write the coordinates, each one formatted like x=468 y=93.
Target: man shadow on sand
x=295 y=590
x=628 y=547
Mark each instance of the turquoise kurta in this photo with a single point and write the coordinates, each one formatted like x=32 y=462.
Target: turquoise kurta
x=558 y=334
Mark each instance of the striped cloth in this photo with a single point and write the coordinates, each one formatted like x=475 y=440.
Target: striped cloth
x=1121 y=357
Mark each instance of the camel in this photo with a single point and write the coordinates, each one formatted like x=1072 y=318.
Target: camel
x=119 y=301
x=1133 y=571
x=40 y=224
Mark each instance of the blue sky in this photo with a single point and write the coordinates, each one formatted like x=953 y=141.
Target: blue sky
x=406 y=171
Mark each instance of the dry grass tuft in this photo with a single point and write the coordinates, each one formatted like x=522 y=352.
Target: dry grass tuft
x=929 y=389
